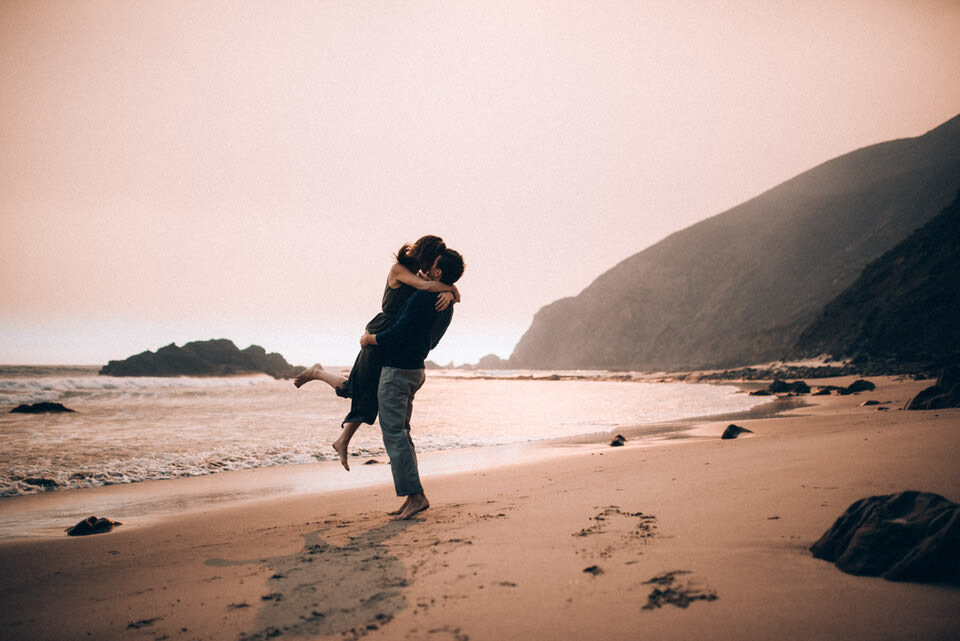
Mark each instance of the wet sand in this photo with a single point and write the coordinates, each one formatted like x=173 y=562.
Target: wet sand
x=696 y=538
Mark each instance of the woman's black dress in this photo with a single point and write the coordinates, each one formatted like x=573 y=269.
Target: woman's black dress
x=364 y=379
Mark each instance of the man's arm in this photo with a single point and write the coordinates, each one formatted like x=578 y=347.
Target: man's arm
x=440 y=327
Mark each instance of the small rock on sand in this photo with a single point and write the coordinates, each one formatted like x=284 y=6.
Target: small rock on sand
x=733 y=431
x=92 y=525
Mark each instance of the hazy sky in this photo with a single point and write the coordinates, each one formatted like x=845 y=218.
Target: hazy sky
x=174 y=171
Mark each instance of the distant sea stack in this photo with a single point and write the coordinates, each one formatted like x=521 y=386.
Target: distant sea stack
x=218 y=357
x=741 y=287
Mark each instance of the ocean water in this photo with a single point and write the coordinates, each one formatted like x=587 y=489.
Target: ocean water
x=126 y=430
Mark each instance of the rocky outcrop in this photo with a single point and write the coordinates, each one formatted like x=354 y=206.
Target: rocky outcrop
x=910 y=536
x=946 y=393
x=492 y=361
x=219 y=357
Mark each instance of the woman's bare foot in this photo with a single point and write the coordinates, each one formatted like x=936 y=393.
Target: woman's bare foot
x=341 y=449
x=342 y=444
x=312 y=373
x=414 y=504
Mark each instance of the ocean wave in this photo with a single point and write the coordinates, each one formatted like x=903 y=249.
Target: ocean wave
x=128 y=430
x=21 y=482
x=15 y=391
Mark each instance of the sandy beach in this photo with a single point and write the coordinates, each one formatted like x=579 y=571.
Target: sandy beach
x=577 y=546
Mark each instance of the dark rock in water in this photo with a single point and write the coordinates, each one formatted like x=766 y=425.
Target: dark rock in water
x=45 y=483
x=868 y=403
x=760 y=392
x=824 y=391
x=733 y=431
x=219 y=357
x=92 y=525
x=618 y=441
x=40 y=408
x=856 y=387
x=782 y=387
x=946 y=393
x=910 y=536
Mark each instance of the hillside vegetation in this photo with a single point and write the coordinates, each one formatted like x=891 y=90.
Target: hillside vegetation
x=741 y=287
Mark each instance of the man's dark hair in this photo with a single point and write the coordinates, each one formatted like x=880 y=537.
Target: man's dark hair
x=450 y=266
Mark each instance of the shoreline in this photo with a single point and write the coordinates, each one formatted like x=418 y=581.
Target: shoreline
x=571 y=548
x=48 y=514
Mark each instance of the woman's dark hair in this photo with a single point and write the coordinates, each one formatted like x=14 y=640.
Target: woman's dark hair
x=421 y=254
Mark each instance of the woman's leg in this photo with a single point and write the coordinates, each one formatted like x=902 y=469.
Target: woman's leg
x=342 y=443
x=317 y=373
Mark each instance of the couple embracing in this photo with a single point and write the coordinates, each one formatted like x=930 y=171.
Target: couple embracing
x=415 y=312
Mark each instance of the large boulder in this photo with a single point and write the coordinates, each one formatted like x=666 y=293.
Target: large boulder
x=910 y=536
x=946 y=393
x=859 y=385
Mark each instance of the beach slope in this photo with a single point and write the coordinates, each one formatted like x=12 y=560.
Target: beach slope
x=700 y=538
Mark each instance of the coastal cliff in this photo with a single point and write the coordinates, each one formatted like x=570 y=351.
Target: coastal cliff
x=741 y=287
x=904 y=307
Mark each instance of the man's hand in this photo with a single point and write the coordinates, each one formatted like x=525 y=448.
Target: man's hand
x=368 y=339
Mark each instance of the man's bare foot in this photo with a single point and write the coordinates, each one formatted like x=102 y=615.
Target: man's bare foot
x=400 y=509
x=415 y=504
x=312 y=373
x=341 y=449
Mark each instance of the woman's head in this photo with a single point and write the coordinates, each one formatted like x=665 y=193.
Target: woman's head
x=421 y=254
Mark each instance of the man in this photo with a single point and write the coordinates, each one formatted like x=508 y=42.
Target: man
x=405 y=346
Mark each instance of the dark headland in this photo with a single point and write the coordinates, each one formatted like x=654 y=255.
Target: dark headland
x=217 y=357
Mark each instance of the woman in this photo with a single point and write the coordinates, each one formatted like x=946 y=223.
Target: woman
x=361 y=385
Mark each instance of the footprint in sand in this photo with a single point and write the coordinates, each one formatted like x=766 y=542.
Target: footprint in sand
x=669 y=591
x=326 y=589
x=615 y=531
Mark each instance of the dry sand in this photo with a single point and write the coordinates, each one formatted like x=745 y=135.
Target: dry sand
x=504 y=553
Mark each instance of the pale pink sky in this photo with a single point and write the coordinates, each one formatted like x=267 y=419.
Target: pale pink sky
x=173 y=171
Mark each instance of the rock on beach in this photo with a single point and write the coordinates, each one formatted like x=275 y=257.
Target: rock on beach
x=92 y=525
x=909 y=536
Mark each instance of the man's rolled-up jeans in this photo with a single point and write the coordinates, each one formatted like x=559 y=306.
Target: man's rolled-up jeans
x=395 y=397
